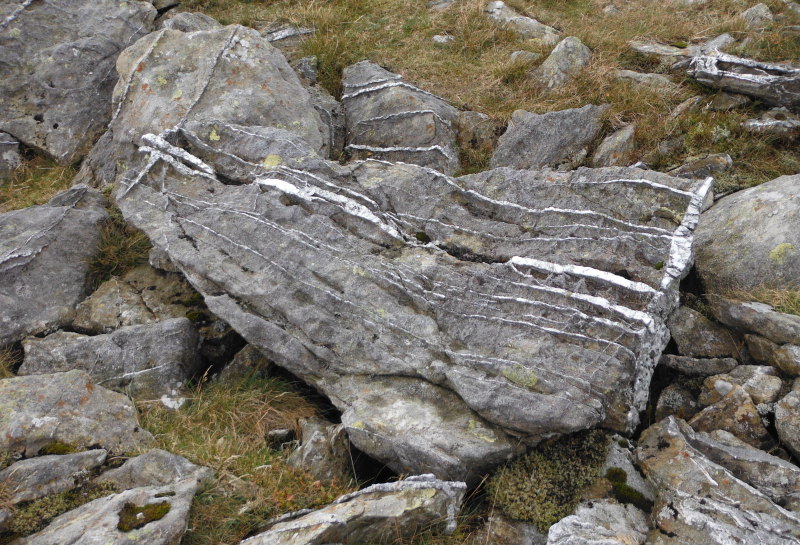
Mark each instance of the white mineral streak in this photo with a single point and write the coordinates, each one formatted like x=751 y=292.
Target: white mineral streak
x=376 y=149
x=10 y=19
x=400 y=115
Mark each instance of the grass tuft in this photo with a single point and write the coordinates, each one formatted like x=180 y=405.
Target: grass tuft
x=122 y=248
x=783 y=300
x=35 y=182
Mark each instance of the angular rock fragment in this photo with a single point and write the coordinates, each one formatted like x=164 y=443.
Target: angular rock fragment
x=785 y=357
x=763 y=224
x=66 y=408
x=760 y=383
x=169 y=78
x=760 y=318
x=377 y=514
x=35 y=478
x=698 y=366
x=324 y=451
x=700 y=500
x=249 y=362
x=777 y=122
x=735 y=413
x=390 y=119
x=44 y=252
x=548 y=140
x=656 y=82
x=774 y=83
x=58 y=69
x=476 y=131
x=707 y=166
x=615 y=148
x=723 y=102
x=522 y=25
x=699 y=337
x=565 y=62
x=600 y=522
x=676 y=400
x=146 y=361
x=189 y=21
x=10 y=159
x=500 y=529
x=154 y=468
x=757 y=16
x=787 y=421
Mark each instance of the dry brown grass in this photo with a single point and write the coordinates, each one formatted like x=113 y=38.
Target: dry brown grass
x=35 y=182
x=781 y=299
x=10 y=357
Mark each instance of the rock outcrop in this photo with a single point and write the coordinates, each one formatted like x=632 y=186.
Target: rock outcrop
x=58 y=78
x=526 y=27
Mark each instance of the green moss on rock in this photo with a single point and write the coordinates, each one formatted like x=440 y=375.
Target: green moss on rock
x=57 y=447
x=134 y=516
x=544 y=486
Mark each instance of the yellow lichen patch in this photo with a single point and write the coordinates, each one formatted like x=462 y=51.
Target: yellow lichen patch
x=177 y=94
x=780 y=252
x=521 y=376
x=479 y=431
x=272 y=160
x=214 y=137
x=161 y=80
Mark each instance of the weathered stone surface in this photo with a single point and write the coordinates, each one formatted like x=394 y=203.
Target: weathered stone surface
x=548 y=140
x=501 y=530
x=168 y=78
x=58 y=69
x=757 y=16
x=189 y=21
x=146 y=361
x=524 y=56
x=785 y=357
x=522 y=25
x=760 y=383
x=36 y=411
x=773 y=83
x=98 y=520
x=671 y=54
x=248 y=362
x=332 y=114
x=734 y=413
x=10 y=159
x=615 y=149
x=676 y=400
x=283 y=253
x=706 y=166
x=600 y=522
x=566 y=61
x=324 y=451
x=702 y=501
x=787 y=421
x=776 y=122
x=657 y=82
x=377 y=514
x=757 y=317
x=476 y=131
x=35 y=478
x=390 y=119
x=284 y=35
x=763 y=224
x=698 y=366
x=723 y=102
x=154 y=468
x=43 y=262
x=699 y=337
x=621 y=457
x=141 y=296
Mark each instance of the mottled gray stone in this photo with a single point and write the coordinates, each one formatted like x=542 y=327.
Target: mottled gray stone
x=418 y=303
x=44 y=252
x=600 y=522
x=615 y=149
x=566 y=61
x=69 y=408
x=189 y=21
x=763 y=224
x=723 y=102
x=35 y=478
x=324 y=451
x=145 y=361
x=169 y=78
x=524 y=56
x=10 y=158
x=500 y=530
x=757 y=317
x=58 y=69
x=154 y=468
x=96 y=522
x=548 y=140
x=656 y=82
x=776 y=122
x=390 y=119
x=706 y=166
x=698 y=366
x=308 y=69
x=700 y=500
x=621 y=457
x=247 y=363
x=675 y=400
x=787 y=421
x=332 y=115
x=526 y=27
x=736 y=413
x=699 y=337
x=785 y=357
x=774 y=83
x=760 y=382
x=757 y=16
x=376 y=514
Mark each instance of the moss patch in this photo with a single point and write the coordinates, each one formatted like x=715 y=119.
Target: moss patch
x=521 y=376
x=134 y=516
x=57 y=447
x=624 y=493
x=545 y=485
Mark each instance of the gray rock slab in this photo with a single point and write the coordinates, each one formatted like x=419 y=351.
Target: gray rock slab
x=145 y=361
x=699 y=337
x=58 y=69
x=705 y=166
x=600 y=522
x=35 y=478
x=763 y=224
x=66 y=408
x=785 y=357
x=757 y=16
x=247 y=363
x=736 y=413
x=656 y=82
x=188 y=21
x=698 y=366
x=324 y=451
x=169 y=78
x=378 y=513
x=10 y=158
x=675 y=400
x=97 y=521
x=776 y=122
x=548 y=140
x=526 y=27
x=760 y=383
x=615 y=149
x=701 y=500
x=774 y=83
x=757 y=317
x=154 y=468
x=44 y=252
x=723 y=102
x=567 y=60
x=787 y=421
x=390 y=119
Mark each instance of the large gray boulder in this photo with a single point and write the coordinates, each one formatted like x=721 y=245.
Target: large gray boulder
x=548 y=140
x=35 y=478
x=145 y=361
x=67 y=408
x=702 y=497
x=169 y=78
x=566 y=61
x=763 y=225
x=44 y=252
x=420 y=303
x=58 y=69
x=154 y=468
x=390 y=119
x=381 y=513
